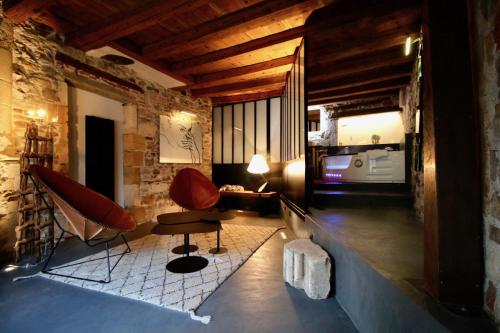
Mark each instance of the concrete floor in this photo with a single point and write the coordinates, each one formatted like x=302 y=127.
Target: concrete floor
x=390 y=239
x=253 y=299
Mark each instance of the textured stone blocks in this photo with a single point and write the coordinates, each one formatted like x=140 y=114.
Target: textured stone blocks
x=307 y=266
x=132 y=141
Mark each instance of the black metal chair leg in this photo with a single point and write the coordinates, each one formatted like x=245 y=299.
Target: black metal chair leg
x=52 y=251
x=109 y=265
x=50 y=271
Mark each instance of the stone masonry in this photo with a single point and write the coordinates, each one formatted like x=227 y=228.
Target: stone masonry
x=32 y=79
x=487 y=24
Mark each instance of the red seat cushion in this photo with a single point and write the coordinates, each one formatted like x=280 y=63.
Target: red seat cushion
x=89 y=203
x=190 y=189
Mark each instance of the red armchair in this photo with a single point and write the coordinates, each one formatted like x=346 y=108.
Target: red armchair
x=88 y=214
x=191 y=190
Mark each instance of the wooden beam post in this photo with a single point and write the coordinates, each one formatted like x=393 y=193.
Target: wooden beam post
x=453 y=249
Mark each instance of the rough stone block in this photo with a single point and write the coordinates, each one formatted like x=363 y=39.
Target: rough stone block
x=133 y=158
x=138 y=213
x=491 y=294
x=62 y=92
x=5 y=65
x=495 y=234
x=131 y=193
x=5 y=92
x=132 y=141
x=130 y=118
x=5 y=119
x=307 y=266
x=131 y=175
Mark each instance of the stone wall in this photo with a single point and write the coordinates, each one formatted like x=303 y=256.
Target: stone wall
x=32 y=79
x=327 y=135
x=409 y=101
x=487 y=24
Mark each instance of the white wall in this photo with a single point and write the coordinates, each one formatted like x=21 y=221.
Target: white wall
x=358 y=130
x=83 y=103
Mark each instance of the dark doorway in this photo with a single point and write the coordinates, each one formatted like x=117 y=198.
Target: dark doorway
x=100 y=155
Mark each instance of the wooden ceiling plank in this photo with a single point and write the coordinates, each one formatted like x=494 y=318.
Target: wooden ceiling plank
x=226 y=88
x=238 y=71
x=240 y=21
x=246 y=97
x=252 y=90
x=363 y=78
x=146 y=15
x=372 y=87
x=256 y=44
x=25 y=9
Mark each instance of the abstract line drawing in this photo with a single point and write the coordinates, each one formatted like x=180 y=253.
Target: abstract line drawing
x=180 y=139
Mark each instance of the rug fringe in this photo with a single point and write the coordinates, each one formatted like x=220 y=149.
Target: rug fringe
x=204 y=319
x=26 y=277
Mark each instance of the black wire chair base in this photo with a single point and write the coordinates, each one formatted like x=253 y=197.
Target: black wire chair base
x=50 y=271
x=90 y=243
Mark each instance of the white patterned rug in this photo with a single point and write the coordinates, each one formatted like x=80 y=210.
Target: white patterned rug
x=141 y=275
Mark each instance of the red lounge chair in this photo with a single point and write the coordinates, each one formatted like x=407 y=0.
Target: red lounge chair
x=191 y=190
x=88 y=214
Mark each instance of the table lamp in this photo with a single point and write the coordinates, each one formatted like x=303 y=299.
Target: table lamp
x=258 y=165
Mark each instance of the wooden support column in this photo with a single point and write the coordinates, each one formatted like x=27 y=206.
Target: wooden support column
x=453 y=253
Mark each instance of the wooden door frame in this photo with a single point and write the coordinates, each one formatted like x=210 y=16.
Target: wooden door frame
x=453 y=230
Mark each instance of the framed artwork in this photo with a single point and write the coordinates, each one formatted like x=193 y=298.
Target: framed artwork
x=180 y=139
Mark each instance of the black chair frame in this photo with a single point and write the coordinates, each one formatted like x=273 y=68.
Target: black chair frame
x=90 y=243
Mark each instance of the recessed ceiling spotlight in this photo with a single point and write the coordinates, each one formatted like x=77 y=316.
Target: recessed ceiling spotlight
x=117 y=59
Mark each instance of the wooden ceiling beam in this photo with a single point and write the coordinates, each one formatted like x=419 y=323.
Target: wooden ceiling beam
x=390 y=93
x=260 y=14
x=368 y=88
x=366 y=104
x=377 y=24
x=350 y=66
x=238 y=71
x=363 y=78
x=255 y=44
x=25 y=9
x=361 y=46
x=139 y=18
x=69 y=61
x=360 y=112
x=238 y=86
x=246 y=97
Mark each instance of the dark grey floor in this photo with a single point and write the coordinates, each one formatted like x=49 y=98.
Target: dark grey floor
x=253 y=299
x=390 y=239
x=378 y=256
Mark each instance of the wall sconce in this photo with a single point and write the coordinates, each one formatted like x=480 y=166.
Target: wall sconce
x=408 y=44
x=189 y=114
x=38 y=114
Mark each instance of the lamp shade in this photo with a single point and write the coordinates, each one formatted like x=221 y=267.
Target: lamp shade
x=258 y=165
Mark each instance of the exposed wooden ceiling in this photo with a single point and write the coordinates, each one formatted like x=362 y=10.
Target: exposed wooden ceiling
x=236 y=50
x=233 y=48
x=355 y=51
